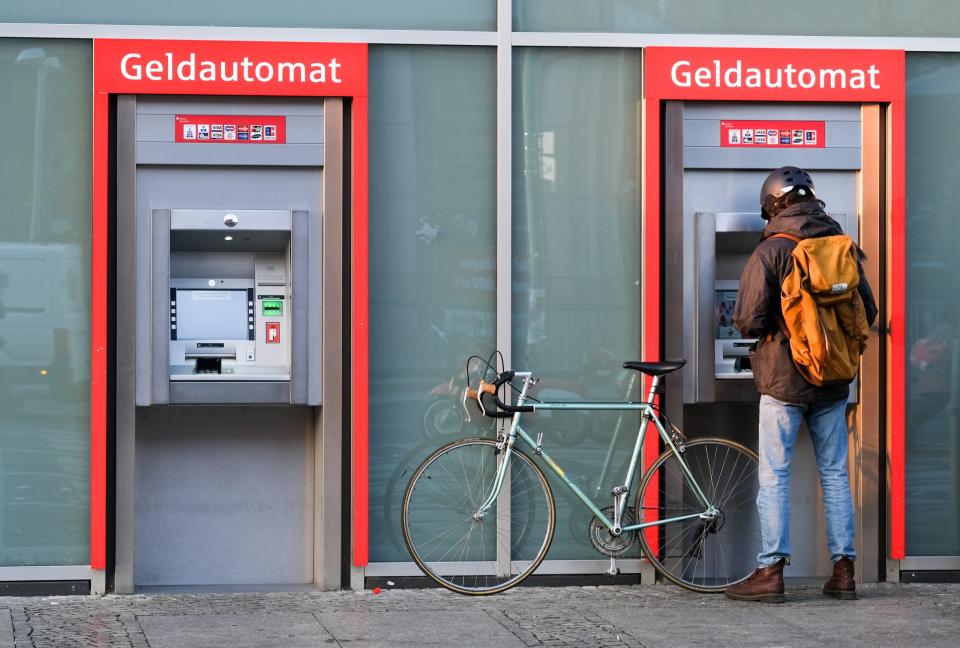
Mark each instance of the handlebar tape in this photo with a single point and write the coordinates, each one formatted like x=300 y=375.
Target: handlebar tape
x=492 y=388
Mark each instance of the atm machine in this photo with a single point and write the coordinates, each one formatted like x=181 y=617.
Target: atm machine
x=228 y=275
x=714 y=167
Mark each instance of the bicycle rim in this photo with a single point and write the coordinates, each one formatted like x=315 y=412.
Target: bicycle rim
x=464 y=552
x=701 y=554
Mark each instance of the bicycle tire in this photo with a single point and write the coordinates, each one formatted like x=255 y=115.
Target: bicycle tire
x=696 y=554
x=461 y=556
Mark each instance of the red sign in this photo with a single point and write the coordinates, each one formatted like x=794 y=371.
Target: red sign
x=231 y=129
x=773 y=74
x=232 y=67
x=772 y=134
x=273 y=333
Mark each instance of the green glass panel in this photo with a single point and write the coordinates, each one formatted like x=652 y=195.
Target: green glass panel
x=347 y=14
x=933 y=305
x=432 y=260
x=814 y=17
x=45 y=302
x=576 y=261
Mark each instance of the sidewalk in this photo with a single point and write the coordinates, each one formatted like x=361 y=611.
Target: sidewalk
x=622 y=616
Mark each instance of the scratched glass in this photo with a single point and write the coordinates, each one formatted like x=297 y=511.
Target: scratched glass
x=355 y=14
x=933 y=306
x=432 y=261
x=814 y=17
x=576 y=263
x=45 y=303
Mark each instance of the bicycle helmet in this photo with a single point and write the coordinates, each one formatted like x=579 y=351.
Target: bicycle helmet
x=779 y=184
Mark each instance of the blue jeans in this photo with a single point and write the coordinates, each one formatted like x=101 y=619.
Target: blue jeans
x=779 y=425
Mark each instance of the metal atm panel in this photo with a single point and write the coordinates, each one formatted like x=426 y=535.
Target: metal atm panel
x=711 y=203
x=218 y=481
x=714 y=254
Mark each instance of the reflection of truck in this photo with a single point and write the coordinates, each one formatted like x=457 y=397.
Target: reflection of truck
x=44 y=323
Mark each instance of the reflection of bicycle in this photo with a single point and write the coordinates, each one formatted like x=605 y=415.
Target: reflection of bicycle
x=442 y=415
x=478 y=515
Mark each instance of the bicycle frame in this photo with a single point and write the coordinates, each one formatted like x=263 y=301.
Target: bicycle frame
x=647 y=414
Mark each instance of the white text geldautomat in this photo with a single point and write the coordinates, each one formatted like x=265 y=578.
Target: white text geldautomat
x=188 y=68
x=684 y=75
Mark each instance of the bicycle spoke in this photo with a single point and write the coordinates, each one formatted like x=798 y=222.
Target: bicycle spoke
x=705 y=553
x=461 y=552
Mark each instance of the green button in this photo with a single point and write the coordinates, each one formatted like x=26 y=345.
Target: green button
x=272 y=307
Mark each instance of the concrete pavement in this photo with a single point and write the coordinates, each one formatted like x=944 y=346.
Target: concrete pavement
x=622 y=616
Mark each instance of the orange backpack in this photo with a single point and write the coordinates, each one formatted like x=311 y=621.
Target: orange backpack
x=823 y=313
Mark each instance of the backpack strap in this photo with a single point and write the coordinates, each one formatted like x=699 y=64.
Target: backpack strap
x=789 y=237
x=781 y=324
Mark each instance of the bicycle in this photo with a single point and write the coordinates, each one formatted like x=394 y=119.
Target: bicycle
x=478 y=514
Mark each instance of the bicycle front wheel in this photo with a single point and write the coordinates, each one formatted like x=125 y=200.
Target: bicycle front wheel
x=701 y=552
x=467 y=550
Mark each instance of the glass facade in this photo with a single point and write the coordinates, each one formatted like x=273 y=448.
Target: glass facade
x=344 y=14
x=812 y=18
x=45 y=302
x=433 y=260
x=933 y=306
x=575 y=234
x=576 y=261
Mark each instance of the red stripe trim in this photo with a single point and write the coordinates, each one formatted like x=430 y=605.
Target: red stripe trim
x=650 y=336
x=98 y=334
x=898 y=344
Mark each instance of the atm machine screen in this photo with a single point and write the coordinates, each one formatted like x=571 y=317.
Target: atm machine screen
x=212 y=315
x=725 y=302
x=732 y=352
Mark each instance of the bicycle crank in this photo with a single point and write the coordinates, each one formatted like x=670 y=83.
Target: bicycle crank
x=607 y=543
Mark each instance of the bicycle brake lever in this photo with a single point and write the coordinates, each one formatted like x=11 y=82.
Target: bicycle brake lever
x=463 y=402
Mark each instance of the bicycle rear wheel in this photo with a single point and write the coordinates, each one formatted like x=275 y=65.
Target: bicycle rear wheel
x=470 y=553
x=702 y=554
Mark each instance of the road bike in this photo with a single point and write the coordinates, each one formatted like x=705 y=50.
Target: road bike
x=478 y=514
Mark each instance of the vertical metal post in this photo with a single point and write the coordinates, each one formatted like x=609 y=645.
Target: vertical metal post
x=504 y=241
x=866 y=469
x=129 y=379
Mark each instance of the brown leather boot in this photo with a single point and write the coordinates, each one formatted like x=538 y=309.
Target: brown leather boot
x=764 y=584
x=841 y=585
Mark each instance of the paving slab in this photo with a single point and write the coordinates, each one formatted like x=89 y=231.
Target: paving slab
x=623 y=616
x=273 y=630
x=6 y=629
x=363 y=629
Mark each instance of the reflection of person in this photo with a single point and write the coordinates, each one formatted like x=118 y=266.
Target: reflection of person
x=931 y=361
x=788 y=202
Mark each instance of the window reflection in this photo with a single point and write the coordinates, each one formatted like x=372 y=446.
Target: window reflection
x=933 y=306
x=433 y=260
x=858 y=18
x=576 y=263
x=44 y=303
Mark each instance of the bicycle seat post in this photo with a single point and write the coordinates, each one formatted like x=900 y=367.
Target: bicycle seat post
x=654 y=390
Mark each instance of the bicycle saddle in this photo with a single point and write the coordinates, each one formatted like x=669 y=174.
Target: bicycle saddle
x=655 y=368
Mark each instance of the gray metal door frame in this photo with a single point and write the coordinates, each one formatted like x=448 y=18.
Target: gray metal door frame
x=324 y=485
x=867 y=418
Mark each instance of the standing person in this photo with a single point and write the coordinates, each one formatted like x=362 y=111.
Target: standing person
x=789 y=204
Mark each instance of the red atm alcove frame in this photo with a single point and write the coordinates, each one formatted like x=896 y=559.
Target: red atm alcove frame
x=108 y=79
x=886 y=86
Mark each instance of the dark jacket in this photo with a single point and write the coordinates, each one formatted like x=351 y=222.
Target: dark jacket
x=757 y=312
